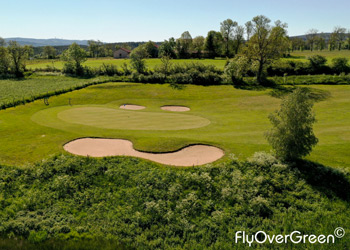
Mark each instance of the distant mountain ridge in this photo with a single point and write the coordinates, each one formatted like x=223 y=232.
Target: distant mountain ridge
x=325 y=35
x=65 y=42
x=45 y=42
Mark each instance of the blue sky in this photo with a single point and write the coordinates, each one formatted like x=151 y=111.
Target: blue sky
x=137 y=20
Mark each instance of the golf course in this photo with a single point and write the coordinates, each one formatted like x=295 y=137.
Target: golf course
x=234 y=120
x=170 y=126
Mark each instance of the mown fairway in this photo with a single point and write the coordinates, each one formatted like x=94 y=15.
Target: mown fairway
x=238 y=120
x=95 y=63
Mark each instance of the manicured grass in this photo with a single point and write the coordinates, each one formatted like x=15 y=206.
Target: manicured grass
x=238 y=120
x=105 y=117
x=95 y=63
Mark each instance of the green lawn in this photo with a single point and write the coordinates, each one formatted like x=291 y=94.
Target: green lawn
x=238 y=120
x=95 y=63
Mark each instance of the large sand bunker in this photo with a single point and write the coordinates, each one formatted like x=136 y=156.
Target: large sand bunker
x=189 y=156
x=175 y=108
x=131 y=107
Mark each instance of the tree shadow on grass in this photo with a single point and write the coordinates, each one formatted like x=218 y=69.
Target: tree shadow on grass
x=332 y=182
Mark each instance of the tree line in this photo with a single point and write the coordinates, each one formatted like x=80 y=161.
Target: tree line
x=314 y=40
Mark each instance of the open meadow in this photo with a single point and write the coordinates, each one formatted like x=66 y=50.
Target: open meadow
x=98 y=62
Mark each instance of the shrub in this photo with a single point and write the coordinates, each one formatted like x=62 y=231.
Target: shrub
x=236 y=69
x=340 y=65
x=109 y=70
x=317 y=63
x=292 y=134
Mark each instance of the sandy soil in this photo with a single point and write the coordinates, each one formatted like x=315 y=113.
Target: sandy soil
x=131 y=107
x=176 y=108
x=189 y=156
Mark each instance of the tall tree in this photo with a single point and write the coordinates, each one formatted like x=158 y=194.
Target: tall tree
x=152 y=49
x=311 y=37
x=332 y=42
x=183 y=45
x=227 y=29
x=249 y=29
x=96 y=48
x=348 y=39
x=49 y=52
x=18 y=56
x=213 y=43
x=320 y=42
x=137 y=59
x=198 y=45
x=238 y=37
x=267 y=43
x=4 y=61
x=167 y=48
x=292 y=134
x=74 y=57
x=2 y=42
x=297 y=43
x=339 y=35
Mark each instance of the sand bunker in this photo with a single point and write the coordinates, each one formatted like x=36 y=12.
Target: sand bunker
x=189 y=156
x=131 y=107
x=175 y=108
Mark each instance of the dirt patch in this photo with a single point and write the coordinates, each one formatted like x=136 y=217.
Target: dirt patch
x=176 y=108
x=131 y=107
x=189 y=156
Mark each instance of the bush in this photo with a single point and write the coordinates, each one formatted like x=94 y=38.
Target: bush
x=236 y=69
x=167 y=208
x=340 y=65
x=292 y=134
x=317 y=63
x=109 y=70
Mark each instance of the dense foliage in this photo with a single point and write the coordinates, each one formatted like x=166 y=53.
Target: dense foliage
x=143 y=205
x=292 y=135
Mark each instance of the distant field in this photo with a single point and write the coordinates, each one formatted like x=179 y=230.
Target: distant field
x=303 y=55
x=95 y=63
x=152 y=63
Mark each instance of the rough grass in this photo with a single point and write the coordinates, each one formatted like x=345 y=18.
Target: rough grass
x=12 y=91
x=238 y=121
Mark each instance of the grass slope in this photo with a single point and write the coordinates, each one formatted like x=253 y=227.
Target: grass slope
x=238 y=120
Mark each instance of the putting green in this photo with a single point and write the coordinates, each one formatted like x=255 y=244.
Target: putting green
x=110 y=118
